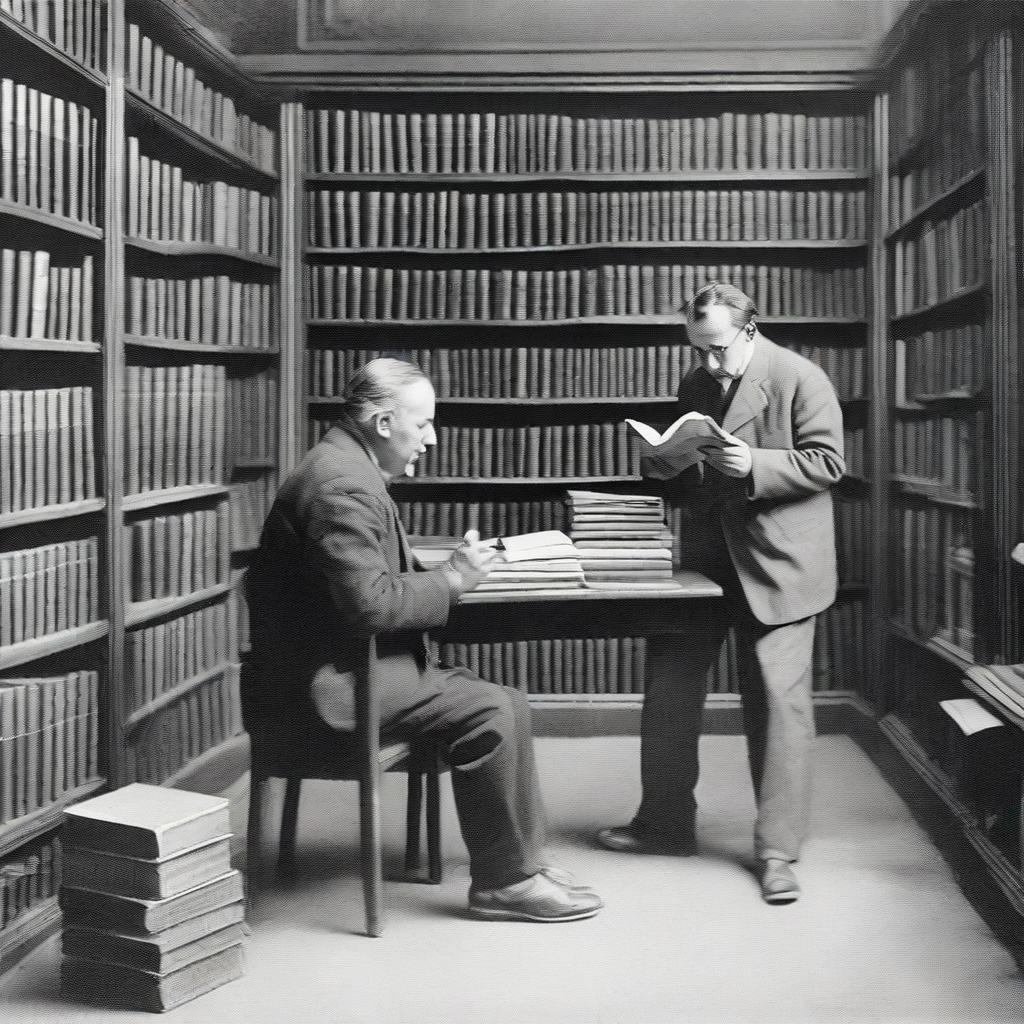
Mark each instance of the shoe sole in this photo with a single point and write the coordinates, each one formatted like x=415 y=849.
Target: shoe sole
x=650 y=851
x=497 y=914
x=780 y=897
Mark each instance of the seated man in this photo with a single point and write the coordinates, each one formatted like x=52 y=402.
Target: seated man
x=334 y=565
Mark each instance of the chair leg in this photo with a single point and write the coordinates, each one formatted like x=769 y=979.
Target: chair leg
x=413 y=818
x=434 y=823
x=371 y=849
x=254 y=839
x=289 y=827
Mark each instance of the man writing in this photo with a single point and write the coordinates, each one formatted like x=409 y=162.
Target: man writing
x=760 y=523
x=333 y=566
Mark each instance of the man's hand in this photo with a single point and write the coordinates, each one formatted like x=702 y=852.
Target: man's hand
x=470 y=563
x=729 y=455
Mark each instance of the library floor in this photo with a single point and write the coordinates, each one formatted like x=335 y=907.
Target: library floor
x=882 y=934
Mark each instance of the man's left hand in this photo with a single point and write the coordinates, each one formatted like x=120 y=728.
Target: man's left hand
x=730 y=456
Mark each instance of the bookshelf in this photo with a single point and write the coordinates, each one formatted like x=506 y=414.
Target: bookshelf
x=531 y=251
x=139 y=336
x=950 y=486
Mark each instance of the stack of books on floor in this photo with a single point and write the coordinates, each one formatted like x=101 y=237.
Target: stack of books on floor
x=152 y=910
x=1004 y=685
x=547 y=560
x=622 y=540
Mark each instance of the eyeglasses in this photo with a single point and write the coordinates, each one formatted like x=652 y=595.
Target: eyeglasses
x=718 y=351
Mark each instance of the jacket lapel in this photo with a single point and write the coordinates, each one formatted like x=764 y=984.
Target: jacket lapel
x=750 y=398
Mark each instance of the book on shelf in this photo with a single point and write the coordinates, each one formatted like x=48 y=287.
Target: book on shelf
x=680 y=445
x=131 y=988
x=84 y=907
x=144 y=821
x=969 y=715
x=147 y=878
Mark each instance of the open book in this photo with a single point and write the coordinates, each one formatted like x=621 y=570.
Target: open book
x=529 y=547
x=680 y=444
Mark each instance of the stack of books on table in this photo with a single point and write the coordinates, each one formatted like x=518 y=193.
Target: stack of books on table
x=547 y=560
x=622 y=540
x=152 y=910
x=1004 y=685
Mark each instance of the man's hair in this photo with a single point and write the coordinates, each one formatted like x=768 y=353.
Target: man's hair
x=374 y=387
x=740 y=305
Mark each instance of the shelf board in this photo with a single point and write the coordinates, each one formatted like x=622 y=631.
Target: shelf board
x=46 y=513
x=20 y=831
x=554 y=481
x=53 y=220
x=48 y=345
x=494 y=250
x=177 y=345
x=43 y=46
x=264 y=462
x=199 y=249
x=623 y=320
x=175 y=693
x=172 y=495
x=962 y=295
x=936 y=645
x=138 y=612
x=938 y=493
x=593 y=177
x=921 y=212
x=53 y=643
x=215 y=769
x=136 y=103
x=508 y=401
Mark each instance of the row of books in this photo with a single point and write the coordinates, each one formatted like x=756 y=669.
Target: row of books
x=622 y=539
x=43 y=296
x=208 y=310
x=489 y=142
x=174 y=426
x=165 y=206
x=29 y=878
x=48 y=589
x=250 y=503
x=48 y=152
x=934 y=574
x=855 y=452
x=252 y=418
x=47 y=454
x=943 y=87
x=844 y=364
x=171 y=85
x=853 y=538
x=521 y=372
x=342 y=292
x=49 y=739
x=201 y=720
x=946 y=361
x=942 y=450
x=839 y=659
x=947 y=256
x=175 y=555
x=76 y=27
x=481 y=220
x=152 y=912
x=159 y=658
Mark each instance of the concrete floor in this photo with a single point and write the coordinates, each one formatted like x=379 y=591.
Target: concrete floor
x=882 y=934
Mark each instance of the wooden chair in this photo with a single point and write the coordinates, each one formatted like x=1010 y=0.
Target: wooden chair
x=357 y=756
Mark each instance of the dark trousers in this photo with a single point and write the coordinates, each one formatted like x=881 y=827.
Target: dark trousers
x=486 y=732
x=774 y=665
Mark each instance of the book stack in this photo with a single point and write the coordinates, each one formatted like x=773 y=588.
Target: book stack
x=1003 y=685
x=152 y=910
x=535 y=561
x=622 y=540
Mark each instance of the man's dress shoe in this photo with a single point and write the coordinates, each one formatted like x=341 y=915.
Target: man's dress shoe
x=778 y=883
x=627 y=839
x=535 y=899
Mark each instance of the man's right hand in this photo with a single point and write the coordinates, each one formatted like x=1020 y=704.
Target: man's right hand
x=470 y=563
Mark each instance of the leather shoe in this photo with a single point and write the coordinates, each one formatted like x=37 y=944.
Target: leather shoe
x=778 y=883
x=629 y=839
x=564 y=878
x=536 y=899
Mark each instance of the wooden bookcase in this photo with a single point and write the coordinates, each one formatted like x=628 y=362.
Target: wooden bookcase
x=949 y=188
x=141 y=422
x=531 y=247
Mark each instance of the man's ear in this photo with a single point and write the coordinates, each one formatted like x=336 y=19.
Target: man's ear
x=383 y=422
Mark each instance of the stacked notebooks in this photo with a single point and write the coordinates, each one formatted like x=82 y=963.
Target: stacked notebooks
x=152 y=910
x=622 y=540
x=547 y=560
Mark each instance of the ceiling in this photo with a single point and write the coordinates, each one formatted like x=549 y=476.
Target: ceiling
x=559 y=35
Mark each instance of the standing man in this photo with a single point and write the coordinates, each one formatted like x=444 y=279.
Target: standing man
x=334 y=567
x=759 y=521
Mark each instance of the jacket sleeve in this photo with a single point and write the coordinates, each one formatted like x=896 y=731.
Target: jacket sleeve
x=815 y=462
x=345 y=544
